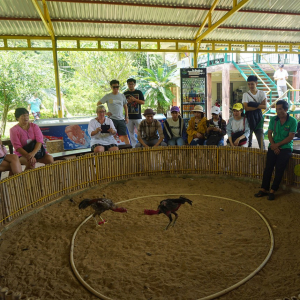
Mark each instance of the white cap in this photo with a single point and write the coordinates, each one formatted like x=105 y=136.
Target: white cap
x=215 y=110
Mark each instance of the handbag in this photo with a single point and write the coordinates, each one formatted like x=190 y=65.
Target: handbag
x=236 y=135
x=213 y=140
x=30 y=146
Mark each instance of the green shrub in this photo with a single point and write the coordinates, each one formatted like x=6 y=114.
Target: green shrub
x=11 y=116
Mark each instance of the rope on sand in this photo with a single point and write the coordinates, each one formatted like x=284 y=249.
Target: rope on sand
x=213 y=296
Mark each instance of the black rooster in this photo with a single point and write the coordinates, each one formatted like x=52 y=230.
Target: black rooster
x=168 y=207
x=100 y=205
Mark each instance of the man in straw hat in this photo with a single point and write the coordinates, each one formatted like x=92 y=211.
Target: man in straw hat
x=150 y=133
x=282 y=129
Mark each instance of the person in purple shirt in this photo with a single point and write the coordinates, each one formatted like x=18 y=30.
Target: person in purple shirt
x=22 y=134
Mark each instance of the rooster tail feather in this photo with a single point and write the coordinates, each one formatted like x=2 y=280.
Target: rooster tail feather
x=151 y=212
x=84 y=203
x=119 y=209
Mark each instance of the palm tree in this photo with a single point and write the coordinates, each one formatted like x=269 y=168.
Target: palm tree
x=158 y=93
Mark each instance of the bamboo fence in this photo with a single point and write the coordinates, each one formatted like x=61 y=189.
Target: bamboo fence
x=30 y=189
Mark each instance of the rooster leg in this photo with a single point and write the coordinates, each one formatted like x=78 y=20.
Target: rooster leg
x=176 y=217
x=103 y=221
x=95 y=221
x=170 y=218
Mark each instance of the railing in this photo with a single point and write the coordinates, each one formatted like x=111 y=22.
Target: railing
x=292 y=104
x=254 y=72
x=28 y=190
x=275 y=70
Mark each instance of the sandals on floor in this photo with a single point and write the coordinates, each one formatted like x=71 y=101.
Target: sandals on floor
x=271 y=196
x=261 y=194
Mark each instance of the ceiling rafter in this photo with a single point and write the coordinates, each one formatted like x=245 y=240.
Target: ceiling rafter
x=45 y=16
x=174 y=6
x=147 y=24
x=207 y=18
x=222 y=20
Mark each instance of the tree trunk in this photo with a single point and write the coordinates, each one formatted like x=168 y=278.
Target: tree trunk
x=160 y=109
x=4 y=119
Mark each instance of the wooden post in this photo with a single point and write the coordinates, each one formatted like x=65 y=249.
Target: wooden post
x=225 y=92
x=209 y=97
x=296 y=85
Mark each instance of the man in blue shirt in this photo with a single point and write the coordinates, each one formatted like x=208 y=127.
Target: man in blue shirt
x=282 y=129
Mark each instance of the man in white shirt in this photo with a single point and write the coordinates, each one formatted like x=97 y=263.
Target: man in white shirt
x=254 y=101
x=116 y=102
x=281 y=76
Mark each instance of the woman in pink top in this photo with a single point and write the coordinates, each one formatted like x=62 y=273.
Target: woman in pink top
x=9 y=162
x=22 y=134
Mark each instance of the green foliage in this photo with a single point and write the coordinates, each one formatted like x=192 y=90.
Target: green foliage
x=21 y=75
x=92 y=72
x=143 y=60
x=158 y=93
x=11 y=116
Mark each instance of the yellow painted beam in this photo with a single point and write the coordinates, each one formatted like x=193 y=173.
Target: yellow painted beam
x=47 y=15
x=195 y=55
x=207 y=18
x=223 y=19
x=141 y=42
x=44 y=18
x=57 y=83
x=234 y=4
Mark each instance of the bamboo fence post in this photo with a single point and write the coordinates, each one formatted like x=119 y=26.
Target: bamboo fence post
x=8 y=295
x=16 y=296
x=3 y=292
x=6 y=201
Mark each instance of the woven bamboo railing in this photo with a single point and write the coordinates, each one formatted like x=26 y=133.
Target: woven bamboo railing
x=30 y=189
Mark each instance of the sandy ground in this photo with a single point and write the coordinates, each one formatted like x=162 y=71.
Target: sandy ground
x=214 y=244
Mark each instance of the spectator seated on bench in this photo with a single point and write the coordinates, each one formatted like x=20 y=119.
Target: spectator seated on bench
x=102 y=131
x=22 y=134
x=9 y=162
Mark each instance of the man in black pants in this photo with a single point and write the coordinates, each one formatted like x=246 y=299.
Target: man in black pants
x=281 y=131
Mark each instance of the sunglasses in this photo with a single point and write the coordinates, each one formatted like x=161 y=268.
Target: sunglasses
x=115 y=86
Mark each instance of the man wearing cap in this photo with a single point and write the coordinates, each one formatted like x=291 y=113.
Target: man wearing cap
x=216 y=128
x=116 y=102
x=135 y=99
x=254 y=101
x=282 y=129
x=150 y=133
x=174 y=129
x=197 y=127
x=281 y=76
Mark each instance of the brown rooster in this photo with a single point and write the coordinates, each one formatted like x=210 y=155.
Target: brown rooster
x=169 y=207
x=100 y=205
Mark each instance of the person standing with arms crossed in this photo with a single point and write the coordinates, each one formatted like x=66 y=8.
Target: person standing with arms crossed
x=282 y=129
x=254 y=101
x=281 y=76
x=116 y=102
x=135 y=99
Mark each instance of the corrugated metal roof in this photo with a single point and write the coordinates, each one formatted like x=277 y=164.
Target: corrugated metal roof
x=66 y=17
x=251 y=35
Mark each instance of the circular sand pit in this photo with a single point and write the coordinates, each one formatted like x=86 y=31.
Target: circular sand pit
x=214 y=244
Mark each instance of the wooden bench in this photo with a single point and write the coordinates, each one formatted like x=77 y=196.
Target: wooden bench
x=69 y=153
x=9 y=144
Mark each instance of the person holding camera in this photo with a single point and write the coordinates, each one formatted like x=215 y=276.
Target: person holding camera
x=102 y=131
